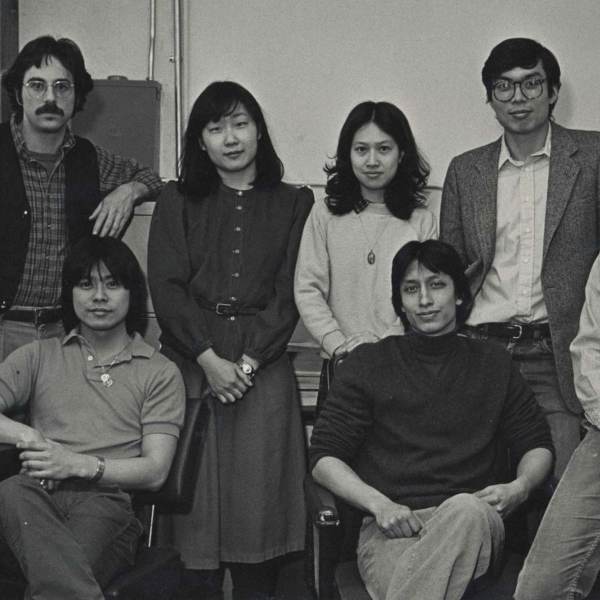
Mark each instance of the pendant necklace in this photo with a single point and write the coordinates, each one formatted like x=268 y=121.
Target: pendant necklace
x=371 y=256
x=105 y=377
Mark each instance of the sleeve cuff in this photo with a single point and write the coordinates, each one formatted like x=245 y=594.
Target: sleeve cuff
x=593 y=416
x=199 y=347
x=150 y=180
x=165 y=428
x=332 y=340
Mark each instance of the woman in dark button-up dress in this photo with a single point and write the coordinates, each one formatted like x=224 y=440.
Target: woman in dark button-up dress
x=222 y=253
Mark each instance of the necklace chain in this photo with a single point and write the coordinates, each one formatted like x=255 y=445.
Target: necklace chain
x=105 y=377
x=371 y=256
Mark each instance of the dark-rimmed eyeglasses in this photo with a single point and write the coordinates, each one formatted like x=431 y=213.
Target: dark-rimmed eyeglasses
x=37 y=88
x=504 y=90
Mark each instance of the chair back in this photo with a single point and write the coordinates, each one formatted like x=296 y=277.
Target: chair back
x=177 y=493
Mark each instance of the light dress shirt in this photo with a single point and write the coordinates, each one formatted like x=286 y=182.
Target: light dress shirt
x=585 y=349
x=512 y=289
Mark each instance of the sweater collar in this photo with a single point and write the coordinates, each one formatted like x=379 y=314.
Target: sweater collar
x=432 y=345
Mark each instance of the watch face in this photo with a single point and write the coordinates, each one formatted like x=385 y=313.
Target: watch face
x=248 y=370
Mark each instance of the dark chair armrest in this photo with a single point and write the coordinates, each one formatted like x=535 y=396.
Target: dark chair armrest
x=323 y=539
x=9 y=460
x=177 y=493
x=320 y=504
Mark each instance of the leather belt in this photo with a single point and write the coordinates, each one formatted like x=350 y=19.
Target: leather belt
x=37 y=316
x=514 y=331
x=227 y=309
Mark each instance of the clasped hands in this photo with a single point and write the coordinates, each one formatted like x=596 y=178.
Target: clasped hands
x=48 y=461
x=226 y=379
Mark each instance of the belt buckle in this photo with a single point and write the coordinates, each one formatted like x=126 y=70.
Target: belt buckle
x=40 y=316
x=517 y=336
x=221 y=308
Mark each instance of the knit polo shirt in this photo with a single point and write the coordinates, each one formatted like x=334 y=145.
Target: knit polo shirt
x=59 y=382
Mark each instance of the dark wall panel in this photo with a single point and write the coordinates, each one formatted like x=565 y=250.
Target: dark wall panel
x=9 y=44
x=123 y=116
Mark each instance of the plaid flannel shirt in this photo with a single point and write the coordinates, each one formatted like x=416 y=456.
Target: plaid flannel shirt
x=48 y=245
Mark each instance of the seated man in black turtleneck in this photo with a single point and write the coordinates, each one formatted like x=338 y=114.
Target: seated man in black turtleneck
x=410 y=431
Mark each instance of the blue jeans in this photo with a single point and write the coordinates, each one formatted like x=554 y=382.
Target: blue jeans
x=14 y=334
x=535 y=359
x=564 y=560
x=68 y=543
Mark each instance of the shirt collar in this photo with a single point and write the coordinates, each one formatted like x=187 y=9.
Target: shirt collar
x=19 y=140
x=505 y=152
x=137 y=348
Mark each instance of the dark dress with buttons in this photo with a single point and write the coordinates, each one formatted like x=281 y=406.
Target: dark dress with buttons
x=236 y=248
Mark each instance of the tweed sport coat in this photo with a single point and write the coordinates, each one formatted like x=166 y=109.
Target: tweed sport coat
x=571 y=236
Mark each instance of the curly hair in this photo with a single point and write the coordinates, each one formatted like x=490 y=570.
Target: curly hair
x=406 y=190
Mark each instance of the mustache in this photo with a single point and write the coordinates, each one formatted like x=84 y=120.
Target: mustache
x=51 y=109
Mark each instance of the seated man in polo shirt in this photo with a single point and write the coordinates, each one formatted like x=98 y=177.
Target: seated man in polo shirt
x=105 y=411
x=410 y=433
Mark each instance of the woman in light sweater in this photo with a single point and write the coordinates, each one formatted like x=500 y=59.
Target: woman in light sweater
x=375 y=204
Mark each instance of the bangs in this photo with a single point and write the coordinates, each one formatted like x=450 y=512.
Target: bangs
x=223 y=107
x=119 y=263
x=86 y=271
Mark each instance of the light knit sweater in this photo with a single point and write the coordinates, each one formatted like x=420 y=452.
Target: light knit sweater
x=338 y=293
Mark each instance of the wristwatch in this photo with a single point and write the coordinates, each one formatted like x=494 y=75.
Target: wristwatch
x=246 y=368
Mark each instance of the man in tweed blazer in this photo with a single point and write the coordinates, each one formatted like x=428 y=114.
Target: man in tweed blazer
x=523 y=214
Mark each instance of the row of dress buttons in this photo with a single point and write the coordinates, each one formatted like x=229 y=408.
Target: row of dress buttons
x=237 y=228
x=233 y=299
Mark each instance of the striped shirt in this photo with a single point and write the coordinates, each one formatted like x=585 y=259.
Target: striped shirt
x=45 y=191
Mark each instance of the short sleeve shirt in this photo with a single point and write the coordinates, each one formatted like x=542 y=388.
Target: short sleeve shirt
x=61 y=384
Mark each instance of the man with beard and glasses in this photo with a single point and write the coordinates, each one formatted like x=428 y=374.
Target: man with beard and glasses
x=55 y=187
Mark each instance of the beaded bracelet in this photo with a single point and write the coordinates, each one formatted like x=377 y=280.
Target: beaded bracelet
x=99 y=469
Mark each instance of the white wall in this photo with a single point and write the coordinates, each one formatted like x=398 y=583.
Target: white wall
x=114 y=38
x=310 y=61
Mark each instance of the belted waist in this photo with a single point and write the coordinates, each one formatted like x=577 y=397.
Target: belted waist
x=227 y=309
x=514 y=331
x=37 y=316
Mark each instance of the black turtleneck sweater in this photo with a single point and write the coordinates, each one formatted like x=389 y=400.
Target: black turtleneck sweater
x=423 y=418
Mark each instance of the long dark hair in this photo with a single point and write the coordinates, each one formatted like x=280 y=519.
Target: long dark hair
x=123 y=266
x=406 y=190
x=198 y=174
x=42 y=49
x=438 y=257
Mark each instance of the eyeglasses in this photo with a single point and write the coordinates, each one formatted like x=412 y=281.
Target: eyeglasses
x=504 y=90
x=37 y=88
